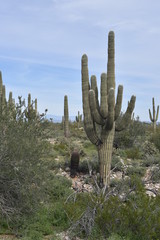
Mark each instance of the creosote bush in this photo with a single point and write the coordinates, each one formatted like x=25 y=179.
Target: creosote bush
x=22 y=150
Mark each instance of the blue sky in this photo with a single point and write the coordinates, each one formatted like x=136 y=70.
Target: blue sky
x=42 y=42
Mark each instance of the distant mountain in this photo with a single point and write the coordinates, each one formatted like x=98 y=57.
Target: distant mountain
x=58 y=119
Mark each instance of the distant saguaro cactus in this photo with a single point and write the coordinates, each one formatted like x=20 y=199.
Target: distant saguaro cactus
x=66 y=117
x=35 y=103
x=79 y=118
x=106 y=113
x=11 y=105
x=30 y=111
x=74 y=163
x=3 y=101
x=154 y=118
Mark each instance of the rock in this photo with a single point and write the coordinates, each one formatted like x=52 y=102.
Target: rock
x=67 y=169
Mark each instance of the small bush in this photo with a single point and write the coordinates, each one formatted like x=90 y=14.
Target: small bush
x=89 y=165
x=136 y=218
x=139 y=171
x=116 y=164
x=155 y=175
x=151 y=160
x=135 y=132
x=114 y=182
x=133 y=153
x=118 y=237
x=23 y=147
x=156 y=138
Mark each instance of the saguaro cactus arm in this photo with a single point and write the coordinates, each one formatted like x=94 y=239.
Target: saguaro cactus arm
x=95 y=89
x=118 y=105
x=126 y=119
x=88 y=121
x=157 y=113
x=150 y=115
x=94 y=111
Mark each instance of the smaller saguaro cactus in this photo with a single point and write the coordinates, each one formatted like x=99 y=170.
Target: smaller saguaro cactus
x=6 y=107
x=31 y=112
x=35 y=103
x=11 y=106
x=74 y=163
x=79 y=118
x=10 y=100
x=66 y=117
x=154 y=118
x=2 y=96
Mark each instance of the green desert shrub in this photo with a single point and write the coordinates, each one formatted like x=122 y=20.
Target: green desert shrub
x=155 y=138
x=133 y=153
x=148 y=148
x=58 y=187
x=125 y=214
x=87 y=165
x=62 y=148
x=116 y=164
x=135 y=170
x=136 y=132
x=114 y=182
x=89 y=148
x=151 y=160
x=22 y=150
x=114 y=236
x=155 y=175
x=138 y=217
x=50 y=213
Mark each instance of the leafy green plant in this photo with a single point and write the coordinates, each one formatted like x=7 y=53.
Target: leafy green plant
x=133 y=153
x=23 y=148
x=135 y=133
x=122 y=213
x=155 y=175
x=151 y=160
x=135 y=170
x=155 y=138
x=116 y=164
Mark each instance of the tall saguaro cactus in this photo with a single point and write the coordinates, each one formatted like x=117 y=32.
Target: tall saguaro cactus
x=106 y=113
x=66 y=117
x=154 y=118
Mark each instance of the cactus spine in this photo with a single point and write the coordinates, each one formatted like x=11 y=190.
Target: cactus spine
x=154 y=118
x=106 y=113
x=66 y=117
